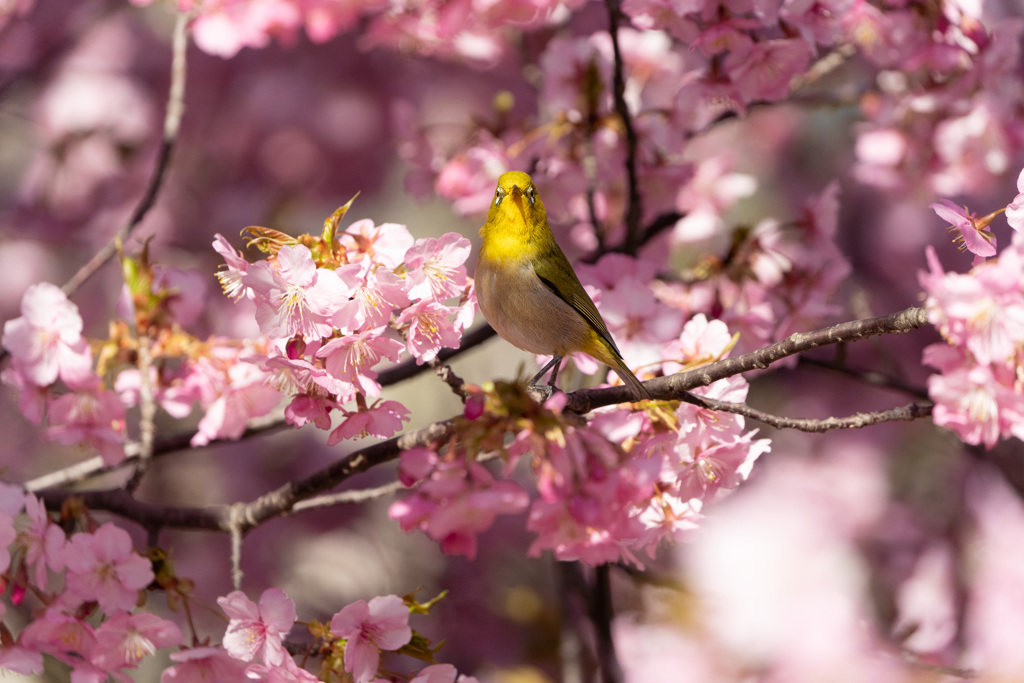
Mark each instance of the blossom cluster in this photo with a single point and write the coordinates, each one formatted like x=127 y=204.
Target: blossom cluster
x=375 y=295
x=87 y=592
x=979 y=391
x=633 y=477
x=371 y=294
x=91 y=622
x=46 y=344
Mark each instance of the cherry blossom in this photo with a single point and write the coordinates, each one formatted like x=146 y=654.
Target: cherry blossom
x=42 y=540
x=102 y=566
x=205 y=664
x=381 y=420
x=438 y=270
x=368 y=628
x=429 y=329
x=46 y=341
x=385 y=244
x=255 y=632
x=454 y=501
x=971 y=234
x=92 y=418
x=125 y=640
x=293 y=296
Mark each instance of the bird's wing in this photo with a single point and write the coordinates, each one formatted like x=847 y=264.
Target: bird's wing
x=555 y=269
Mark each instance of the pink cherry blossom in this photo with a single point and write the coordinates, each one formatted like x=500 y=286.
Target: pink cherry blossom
x=124 y=640
x=668 y=517
x=385 y=244
x=203 y=665
x=232 y=278
x=43 y=541
x=1015 y=209
x=456 y=502
x=31 y=397
x=437 y=267
x=971 y=399
x=589 y=493
x=293 y=296
x=90 y=418
x=381 y=624
x=717 y=467
x=102 y=566
x=46 y=341
x=376 y=293
x=764 y=73
x=382 y=420
x=240 y=395
x=256 y=632
x=978 y=240
x=69 y=639
x=429 y=329
x=305 y=408
x=351 y=358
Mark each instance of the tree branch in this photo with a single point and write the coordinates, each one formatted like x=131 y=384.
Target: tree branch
x=172 y=123
x=634 y=210
x=674 y=386
x=242 y=517
x=907 y=413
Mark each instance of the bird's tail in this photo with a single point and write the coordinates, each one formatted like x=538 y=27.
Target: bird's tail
x=640 y=392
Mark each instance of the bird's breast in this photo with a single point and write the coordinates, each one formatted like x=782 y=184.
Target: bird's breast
x=521 y=308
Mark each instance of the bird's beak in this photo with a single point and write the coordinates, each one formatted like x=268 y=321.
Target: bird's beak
x=517 y=197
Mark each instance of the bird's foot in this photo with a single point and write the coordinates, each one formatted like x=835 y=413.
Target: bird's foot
x=540 y=392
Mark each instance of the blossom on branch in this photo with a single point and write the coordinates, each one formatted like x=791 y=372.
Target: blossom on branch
x=368 y=628
x=255 y=632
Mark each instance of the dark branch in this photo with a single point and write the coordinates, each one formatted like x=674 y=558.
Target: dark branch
x=172 y=123
x=911 y=411
x=633 y=210
x=674 y=386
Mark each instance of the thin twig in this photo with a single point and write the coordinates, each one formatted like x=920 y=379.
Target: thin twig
x=347 y=497
x=235 y=516
x=449 y=377
x=172 y=123
x=79 y=472
x=634 y=210
x=907 y=413
x=147 y=414
x=674 y=386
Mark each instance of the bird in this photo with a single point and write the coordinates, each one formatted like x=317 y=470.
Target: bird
x=528 y=291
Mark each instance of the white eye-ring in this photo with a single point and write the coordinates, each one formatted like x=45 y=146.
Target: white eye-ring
x=531 y=194
x=499 y=194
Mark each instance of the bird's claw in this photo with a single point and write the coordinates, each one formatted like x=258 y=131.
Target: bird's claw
x=540 y=392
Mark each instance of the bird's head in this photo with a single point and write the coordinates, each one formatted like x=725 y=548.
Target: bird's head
x=516 y=203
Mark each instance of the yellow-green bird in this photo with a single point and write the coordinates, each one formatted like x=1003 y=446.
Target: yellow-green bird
x=529 y=292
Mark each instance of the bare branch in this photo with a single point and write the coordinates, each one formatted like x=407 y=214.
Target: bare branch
x=907 y=413
x=674 y=386
x=172 y=122
x=94 y=466
x=449 y=377
x=347 y=497
x=283 y=500
x=634 y=210
x=147 y=414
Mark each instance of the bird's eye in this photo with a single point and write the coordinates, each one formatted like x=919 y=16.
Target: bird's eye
x=499 y=194
x=531 y=194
